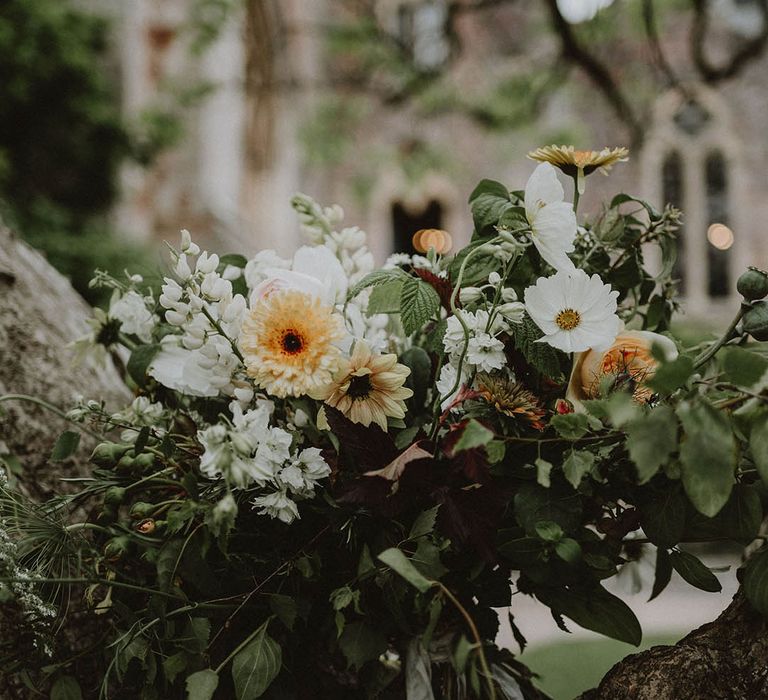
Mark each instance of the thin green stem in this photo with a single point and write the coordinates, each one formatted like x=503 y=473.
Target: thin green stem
x=729 y=334
x=51 y=408
x=218 y=327
x=241 y=646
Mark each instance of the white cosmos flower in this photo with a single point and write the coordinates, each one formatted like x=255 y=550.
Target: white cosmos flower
x=576 y=312
x=553 y=221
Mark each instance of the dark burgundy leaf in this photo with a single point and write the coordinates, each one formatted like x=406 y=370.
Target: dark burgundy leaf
x=362 y=448
x=441 y=285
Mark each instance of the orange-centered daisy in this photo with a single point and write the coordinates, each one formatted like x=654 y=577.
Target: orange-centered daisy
x=367 y=388
x=288 y=340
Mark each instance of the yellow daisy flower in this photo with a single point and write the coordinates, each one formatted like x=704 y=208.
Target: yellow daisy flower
x=579 y=164
x=287 y=343
x=367 y=387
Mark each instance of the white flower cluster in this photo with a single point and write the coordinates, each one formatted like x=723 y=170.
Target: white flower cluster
x=201 y=304
x=141 y=412
x=133 y=311
x=251 y=452
x=38 y=615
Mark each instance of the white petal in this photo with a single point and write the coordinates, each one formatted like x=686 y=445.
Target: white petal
x=542 y=188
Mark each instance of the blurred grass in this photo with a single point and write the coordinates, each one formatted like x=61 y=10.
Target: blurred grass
x=568 y=668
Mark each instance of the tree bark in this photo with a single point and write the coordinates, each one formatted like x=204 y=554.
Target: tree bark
x=722 y=660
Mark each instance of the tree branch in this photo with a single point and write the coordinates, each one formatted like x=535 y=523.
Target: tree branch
x=746 y=53
x=574 y=52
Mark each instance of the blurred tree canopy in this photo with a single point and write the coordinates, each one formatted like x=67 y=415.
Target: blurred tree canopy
x=62 y=137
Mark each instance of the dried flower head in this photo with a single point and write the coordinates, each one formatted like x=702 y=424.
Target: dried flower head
x=511 y=398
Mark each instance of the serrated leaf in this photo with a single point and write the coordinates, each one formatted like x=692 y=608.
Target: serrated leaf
x=398 y=562
x=65 y=445
x=202 y=685
x=140 y=360
x=376 y=277
x=694 y=572
x=651 y=441
x=475 y=434
x=543 y=357
x=571 y=426
x=424 y=523
x=256 y=665
x=385 y=298
x=708 y=456
x=577 y=465
x=743 y=368
x=419 y=302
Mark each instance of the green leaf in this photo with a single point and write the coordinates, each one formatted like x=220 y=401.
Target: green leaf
x=595 y=609
x=577 y=465
x=398 y=562
x=173 y=665
x=533 y=503
x=385 y=298
x=488 y=202
x=426 y=559
x=708 y=456
x=419 y=380
x=543 y=470
x=549 y=531
x=140 y=360
x=694 y=572
x=374 y=278
x=662 y=516
x=256 y=665
x=670 y=376
x=234 y=259
x=284 y=607
x=742 y=367
x=419 y=302
x=66 y=688
x=361 y=642
x=424 y=523
x=653 y=213
x=758 y=446
x=65 y=446
x=543 y=357
x=651 y=441
x=571 y=426
x=202 y=685
x=756 y=581
x=663 y=572
x=568 y=550
x=475 y=434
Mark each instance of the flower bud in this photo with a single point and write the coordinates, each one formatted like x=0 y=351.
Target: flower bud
x=508 y=294
x=117 y=547
x=182 y=269
x=756 y=321
x=470 y=295
x=494 y=278
x=146 y=526
x=141 y=509
x=114 y=495
x=563 y=406
x=753 y=284
x=513 y=311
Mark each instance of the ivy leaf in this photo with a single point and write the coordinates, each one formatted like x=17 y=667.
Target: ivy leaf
x=398 y=562
x=544 y=358
x=256 y=665
x=742 y=367
x=424 y=523
x=571 y=426
x=694 y=572
x=140 y=360
x=419 y=302
x=756 y=581
x=65 y=445
x=670 y=376
x=651 y=441
x=708 y=456
x=577 y=465
x=361 y=642
x=202 y=685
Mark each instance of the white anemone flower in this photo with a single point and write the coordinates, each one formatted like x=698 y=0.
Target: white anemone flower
x=576 y=312
x=552 y=221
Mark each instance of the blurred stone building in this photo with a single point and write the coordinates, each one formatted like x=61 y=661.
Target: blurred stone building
x=290 y=110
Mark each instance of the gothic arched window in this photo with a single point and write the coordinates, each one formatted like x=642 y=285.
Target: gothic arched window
x=406 y=221
x=672 y=193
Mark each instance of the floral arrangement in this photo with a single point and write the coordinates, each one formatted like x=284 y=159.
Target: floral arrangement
x=334 y=479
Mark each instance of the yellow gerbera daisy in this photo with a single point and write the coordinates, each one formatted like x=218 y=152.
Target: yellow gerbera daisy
x=288 y=340
x=579 y=164
x=367 y=387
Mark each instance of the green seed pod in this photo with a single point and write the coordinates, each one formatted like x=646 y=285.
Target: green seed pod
x=141 y=510
x=753 y=284
x=125 y=464
x=114 y=496
x=107 y=454
x=143 y=461
x=755 y=321
x=117 y=547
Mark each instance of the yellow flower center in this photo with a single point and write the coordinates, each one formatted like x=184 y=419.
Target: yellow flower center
x=568 y=319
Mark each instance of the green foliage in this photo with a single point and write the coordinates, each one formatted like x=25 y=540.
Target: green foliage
x=65 y=445
x=256 y=665
x=544 y=358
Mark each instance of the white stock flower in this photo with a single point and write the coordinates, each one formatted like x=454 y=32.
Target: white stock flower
x=576 y=312
x=277 y=505
x=552 y=221
x=486 y=353
x=134 y=316
x=202 y=372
